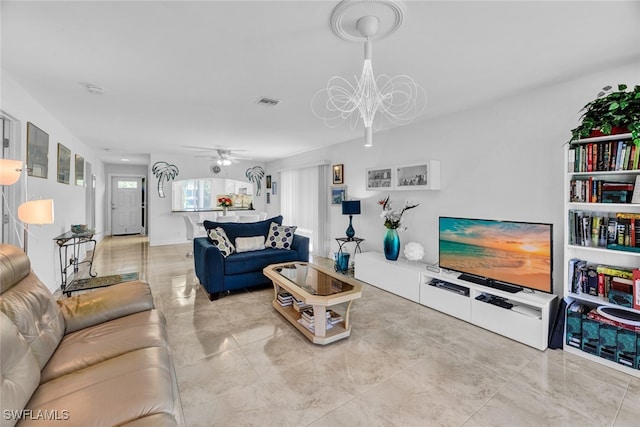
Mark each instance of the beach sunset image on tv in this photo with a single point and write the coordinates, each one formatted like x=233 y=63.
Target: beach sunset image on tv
x=513 y=252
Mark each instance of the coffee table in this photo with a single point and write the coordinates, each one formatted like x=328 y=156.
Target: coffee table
x=318 y=287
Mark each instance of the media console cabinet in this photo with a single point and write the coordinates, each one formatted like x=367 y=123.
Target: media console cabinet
x=526 y=322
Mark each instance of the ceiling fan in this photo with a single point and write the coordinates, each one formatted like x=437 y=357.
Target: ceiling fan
x=222 y=156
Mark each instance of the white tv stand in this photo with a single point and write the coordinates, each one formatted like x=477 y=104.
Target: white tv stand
x=527 y=321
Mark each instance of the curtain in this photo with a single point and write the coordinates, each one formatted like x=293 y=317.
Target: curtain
x=304 y=204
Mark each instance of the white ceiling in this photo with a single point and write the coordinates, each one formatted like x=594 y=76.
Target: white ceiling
x=188 y=73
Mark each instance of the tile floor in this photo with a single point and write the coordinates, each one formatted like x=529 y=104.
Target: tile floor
x=239 y=363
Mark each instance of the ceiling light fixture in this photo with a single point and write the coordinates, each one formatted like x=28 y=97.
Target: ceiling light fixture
x=223 y=162
x=95 y=90
x=399 y=99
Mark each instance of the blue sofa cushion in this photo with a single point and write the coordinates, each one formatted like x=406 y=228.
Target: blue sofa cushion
x=246 y=262
x=244 y=229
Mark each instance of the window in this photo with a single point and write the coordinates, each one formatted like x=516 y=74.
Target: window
x=202 y=194
x=304 y=204
x=125 y=185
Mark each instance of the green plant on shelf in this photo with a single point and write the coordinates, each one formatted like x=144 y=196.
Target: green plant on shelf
x=611 y=111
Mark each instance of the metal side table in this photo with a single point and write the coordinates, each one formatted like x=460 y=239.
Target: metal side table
x=70 y=242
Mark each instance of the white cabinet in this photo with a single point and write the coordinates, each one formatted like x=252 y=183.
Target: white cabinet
x=399 y=277
x=527 y=321
x=601 y=152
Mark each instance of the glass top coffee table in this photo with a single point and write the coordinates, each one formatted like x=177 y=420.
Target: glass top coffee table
x=303 y=294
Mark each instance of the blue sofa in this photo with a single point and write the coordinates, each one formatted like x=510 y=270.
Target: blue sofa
x=218 y=274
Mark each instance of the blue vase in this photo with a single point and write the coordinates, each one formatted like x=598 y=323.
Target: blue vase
x=391 y=244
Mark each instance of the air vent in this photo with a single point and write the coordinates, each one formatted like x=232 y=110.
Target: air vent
x=269 y=102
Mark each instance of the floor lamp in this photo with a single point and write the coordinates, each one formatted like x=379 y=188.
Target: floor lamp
x=35 y=212
x=31 y=212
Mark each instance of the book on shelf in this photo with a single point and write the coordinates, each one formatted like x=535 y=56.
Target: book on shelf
x=617 y=231
x=618 y=285
x=604 y=156
x=309 y=315
x=285 y=299
x=311 y=325
x=636 y=288
x=590 y=190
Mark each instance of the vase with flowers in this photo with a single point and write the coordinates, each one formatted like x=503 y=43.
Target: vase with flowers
x=392 y=221
x=224 y=203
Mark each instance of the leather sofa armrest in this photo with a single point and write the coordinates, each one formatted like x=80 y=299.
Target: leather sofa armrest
x=300 y=244
x=104 y=304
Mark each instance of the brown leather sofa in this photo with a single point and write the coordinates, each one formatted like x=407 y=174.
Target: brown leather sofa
x=96 y=359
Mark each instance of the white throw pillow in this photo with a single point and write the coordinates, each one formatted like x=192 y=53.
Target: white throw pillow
x=246 y=244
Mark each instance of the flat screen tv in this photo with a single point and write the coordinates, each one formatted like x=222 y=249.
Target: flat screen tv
x=508 y=255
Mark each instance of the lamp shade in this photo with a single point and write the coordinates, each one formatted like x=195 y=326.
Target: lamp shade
x=10 y=171
x=36 y=212
x=351 y=207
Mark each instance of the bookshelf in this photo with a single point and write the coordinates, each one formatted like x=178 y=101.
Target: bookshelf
x=600 y=230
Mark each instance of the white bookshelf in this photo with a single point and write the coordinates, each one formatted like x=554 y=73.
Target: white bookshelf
x=596 y=255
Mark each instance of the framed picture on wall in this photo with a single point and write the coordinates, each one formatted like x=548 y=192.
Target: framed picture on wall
x=338 y=194
x=79 y=163
x=64 y=164
x=274 y=188
x=268 y=181
x=338 y=174
x=412 y=176
x=380 y=178
x=37 y=151
x=418 y=176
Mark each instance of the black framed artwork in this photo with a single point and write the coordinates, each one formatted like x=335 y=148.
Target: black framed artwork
x=37 y=151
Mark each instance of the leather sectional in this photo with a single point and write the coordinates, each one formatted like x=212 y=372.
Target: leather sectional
x=95 y=359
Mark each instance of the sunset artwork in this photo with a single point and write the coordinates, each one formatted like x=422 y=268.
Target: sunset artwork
x=513 y=252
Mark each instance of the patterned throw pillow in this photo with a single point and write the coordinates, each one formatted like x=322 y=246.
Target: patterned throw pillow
x=280 y=236
x=220 y=240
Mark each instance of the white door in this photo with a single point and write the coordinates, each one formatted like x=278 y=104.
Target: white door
x=126 y=205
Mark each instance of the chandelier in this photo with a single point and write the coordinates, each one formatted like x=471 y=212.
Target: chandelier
x=398 y=99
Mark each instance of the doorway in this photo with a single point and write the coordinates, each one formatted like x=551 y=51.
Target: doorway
x=126 y=205
x=11 y=195
x=90 y=193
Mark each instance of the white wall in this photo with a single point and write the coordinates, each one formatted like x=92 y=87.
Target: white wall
x=504 y=160
x=167 y=228
x=69 y=199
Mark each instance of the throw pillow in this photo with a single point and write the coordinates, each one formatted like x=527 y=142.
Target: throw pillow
x=280 y=236
x=220 y=240
x=246 y=244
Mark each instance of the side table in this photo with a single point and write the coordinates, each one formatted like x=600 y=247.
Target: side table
x=71 y=240
x=344 y=240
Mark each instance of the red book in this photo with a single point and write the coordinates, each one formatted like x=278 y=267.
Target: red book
x=601 y=284
x=589 y=157
x=636 y=288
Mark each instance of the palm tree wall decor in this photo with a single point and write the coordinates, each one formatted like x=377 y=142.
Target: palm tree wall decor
x=255 y=174
x=164 y=172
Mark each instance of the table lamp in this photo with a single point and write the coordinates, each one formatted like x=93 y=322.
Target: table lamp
x=350 y=207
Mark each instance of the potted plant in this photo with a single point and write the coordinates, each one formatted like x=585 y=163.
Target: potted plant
x=610 y=113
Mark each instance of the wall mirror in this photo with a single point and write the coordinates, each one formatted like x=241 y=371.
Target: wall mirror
x=202 y=194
